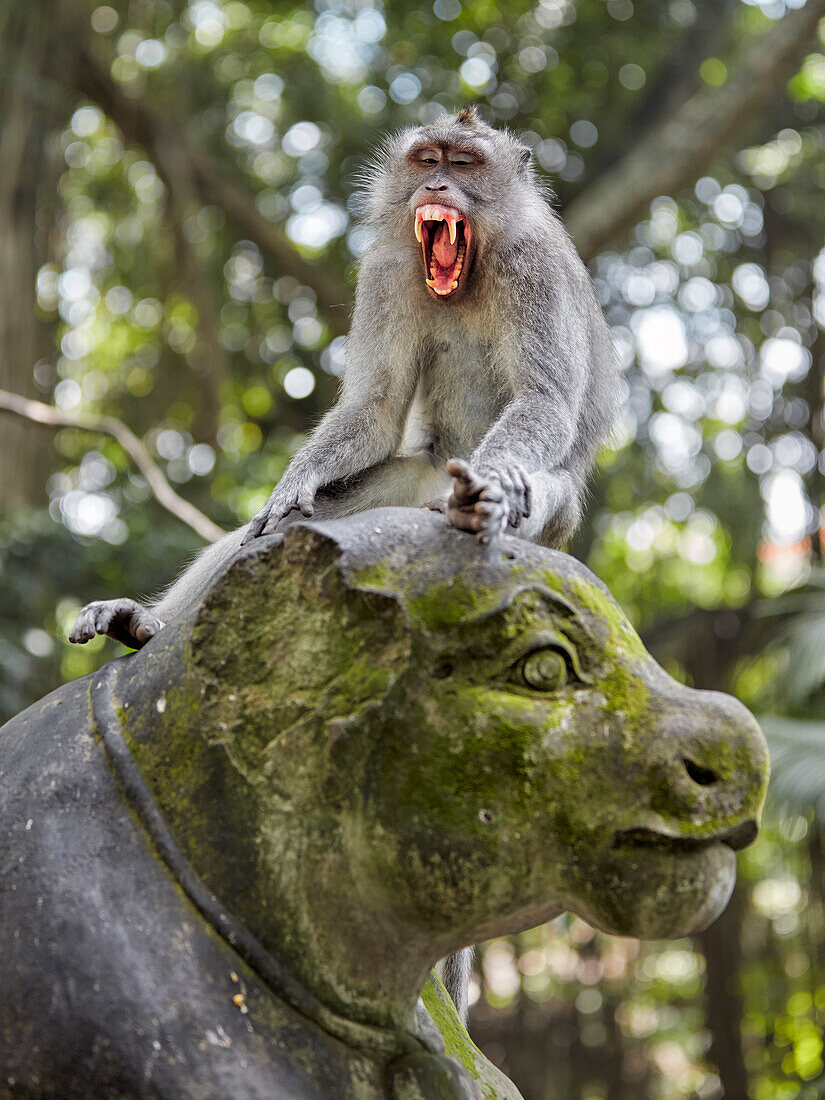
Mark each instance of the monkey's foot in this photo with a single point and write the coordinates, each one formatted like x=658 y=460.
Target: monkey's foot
x=488 y=501
x=125 y=621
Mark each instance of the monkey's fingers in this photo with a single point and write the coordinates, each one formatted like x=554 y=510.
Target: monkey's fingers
x=468 y=485
x=462 y=517
x=256 y=525
x=486 y=519
x=491 y=517
x=528 y=494
x=522 y=495
x=277 y=514
x=512 y=493
x=306 y=502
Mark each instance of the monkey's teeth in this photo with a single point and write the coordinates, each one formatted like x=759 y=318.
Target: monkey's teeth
x=418 y=229
x=452 y=229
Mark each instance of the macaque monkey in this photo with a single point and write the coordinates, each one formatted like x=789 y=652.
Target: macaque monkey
x=480 y=375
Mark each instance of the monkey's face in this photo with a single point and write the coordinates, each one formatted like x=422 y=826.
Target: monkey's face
x=441 y=212
x=468 y=186
x=452 y=191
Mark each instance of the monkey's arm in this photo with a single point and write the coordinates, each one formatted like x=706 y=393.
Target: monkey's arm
x=560 y=363
x=364 y=427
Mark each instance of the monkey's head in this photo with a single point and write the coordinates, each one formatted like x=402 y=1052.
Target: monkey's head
x=480 y=738
x=451 y=191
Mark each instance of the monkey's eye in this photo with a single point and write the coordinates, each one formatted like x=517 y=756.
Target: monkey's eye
x=429 y=157
x=462 y=160
x=544 y=669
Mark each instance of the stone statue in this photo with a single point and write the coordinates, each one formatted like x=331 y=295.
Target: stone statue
x=228 y=862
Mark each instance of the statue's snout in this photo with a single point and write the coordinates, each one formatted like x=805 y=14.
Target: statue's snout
x=708 y=771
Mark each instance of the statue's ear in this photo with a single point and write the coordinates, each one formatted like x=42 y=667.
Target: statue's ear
x=308 y=551
x=263 y=586
x=313 y=556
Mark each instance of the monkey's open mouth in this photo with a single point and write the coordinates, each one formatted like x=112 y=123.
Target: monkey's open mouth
x=445 y=237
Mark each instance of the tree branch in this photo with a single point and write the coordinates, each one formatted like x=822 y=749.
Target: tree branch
x=675 y=152
x=39 y=413
x=215 y=185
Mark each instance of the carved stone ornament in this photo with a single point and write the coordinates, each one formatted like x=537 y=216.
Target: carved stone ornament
x=229 y=861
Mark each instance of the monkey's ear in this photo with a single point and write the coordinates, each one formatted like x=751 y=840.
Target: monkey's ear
x=525 y=155
x=468 y=116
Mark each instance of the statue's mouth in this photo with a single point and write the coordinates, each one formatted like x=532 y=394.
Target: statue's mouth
x=737 y=838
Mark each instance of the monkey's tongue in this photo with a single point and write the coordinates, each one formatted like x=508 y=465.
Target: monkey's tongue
x=444 y=251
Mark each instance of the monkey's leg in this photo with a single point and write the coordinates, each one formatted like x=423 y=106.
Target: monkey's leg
x=398 y=481
x=406 y=481
x=133 y=624
x=193 y=583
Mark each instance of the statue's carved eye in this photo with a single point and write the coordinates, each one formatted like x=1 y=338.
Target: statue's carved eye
x=543 y=669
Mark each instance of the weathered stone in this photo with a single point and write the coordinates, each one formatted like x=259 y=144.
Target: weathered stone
x=231 y=859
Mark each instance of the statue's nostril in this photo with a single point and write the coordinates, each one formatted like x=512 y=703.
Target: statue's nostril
x=705 y=777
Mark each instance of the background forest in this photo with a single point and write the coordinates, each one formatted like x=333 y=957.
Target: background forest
x=177 y=254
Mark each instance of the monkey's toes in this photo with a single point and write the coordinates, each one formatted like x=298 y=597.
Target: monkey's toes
x=124 y=621
x=84 y=628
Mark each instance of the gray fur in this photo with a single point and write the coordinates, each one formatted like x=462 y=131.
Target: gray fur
x=519 y=368
x=455 y=971
x=512 y=380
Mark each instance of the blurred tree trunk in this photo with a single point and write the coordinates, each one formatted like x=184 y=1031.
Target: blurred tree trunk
x=709 y=667
x=35 y=42
x=721 y=945
x=532 y=1043
x=209 y=359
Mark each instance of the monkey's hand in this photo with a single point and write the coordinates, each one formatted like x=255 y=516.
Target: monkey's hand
x=290 y=494
x=125 y=621
x=488 y=500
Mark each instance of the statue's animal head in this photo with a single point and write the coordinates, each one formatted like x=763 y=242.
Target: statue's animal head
x=481 y=738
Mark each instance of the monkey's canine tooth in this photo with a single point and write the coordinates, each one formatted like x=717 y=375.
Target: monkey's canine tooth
x=451 y=224
x=418 y=230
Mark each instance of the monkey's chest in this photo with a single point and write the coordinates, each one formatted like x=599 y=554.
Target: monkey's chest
x=459 y=395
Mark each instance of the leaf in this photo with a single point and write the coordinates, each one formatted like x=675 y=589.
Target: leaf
x=797 y=763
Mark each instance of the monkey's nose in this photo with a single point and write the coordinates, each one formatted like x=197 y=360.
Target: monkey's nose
x=435 y=187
